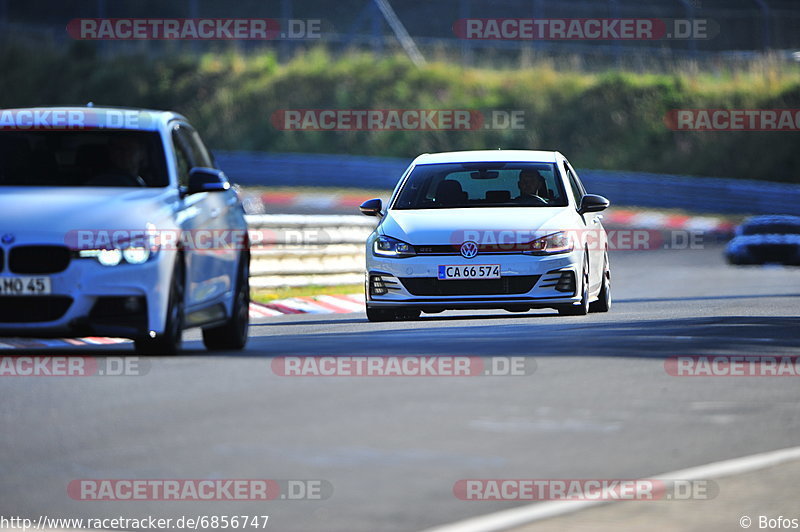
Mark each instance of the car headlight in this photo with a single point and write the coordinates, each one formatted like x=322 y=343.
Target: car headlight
x=559 y=242
x=114 y=257
x=386 y=246
x=137 y=255
x=133 y=251
x=109 y=257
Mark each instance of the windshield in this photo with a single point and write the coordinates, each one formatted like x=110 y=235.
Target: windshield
x=107 y=158
x=496 y=184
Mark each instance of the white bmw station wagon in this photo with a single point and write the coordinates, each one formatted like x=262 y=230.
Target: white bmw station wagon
x=511 y=230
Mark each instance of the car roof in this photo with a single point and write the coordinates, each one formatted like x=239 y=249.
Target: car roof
x=108 y=117
x=477 y=156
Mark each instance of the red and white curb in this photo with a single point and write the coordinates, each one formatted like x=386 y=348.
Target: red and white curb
x=659 y=220
x=333 y=304
x=336 y=304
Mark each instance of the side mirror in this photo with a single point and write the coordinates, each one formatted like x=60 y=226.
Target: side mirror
x=207 y=180
x=371 y=207
x=593 y=203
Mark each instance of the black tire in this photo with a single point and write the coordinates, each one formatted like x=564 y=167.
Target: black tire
x=583 y=308
x=168 y=343
x=232 y=335
x=603 y=303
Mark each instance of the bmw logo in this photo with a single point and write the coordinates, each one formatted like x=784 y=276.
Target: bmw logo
x=8 y=238
x=469 y=249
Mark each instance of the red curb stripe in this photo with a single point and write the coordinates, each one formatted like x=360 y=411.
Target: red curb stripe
x=324 y=304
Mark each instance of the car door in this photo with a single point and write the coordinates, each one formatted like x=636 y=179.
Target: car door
x=211 y=252
x=592 y=229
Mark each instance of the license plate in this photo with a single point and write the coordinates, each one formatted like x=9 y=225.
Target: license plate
x=469 y=271
x=24 y=286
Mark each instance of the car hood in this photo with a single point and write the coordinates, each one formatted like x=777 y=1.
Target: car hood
x=37 y=211
x=454 y=226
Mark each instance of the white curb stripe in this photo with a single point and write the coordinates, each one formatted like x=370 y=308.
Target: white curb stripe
x=342 y=302
x=302 y=306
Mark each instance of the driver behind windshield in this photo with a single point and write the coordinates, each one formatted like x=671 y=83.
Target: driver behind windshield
x=532 y=187
x=126 y=156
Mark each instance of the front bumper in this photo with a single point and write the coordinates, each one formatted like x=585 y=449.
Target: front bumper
x=88 y=299
x=405 y=276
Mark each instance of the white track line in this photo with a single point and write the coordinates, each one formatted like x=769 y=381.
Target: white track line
x=523 y=515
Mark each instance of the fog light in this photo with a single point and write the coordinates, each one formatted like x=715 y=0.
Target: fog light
x=566 y=283
x=376 y=286
x=131 y=304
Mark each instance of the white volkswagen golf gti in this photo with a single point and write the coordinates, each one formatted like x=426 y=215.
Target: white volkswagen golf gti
x=511 y=230
x=116 y=222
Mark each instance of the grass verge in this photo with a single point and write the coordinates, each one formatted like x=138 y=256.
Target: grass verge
x=267 y=295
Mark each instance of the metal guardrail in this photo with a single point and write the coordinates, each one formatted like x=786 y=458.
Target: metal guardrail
x=698 y=194
x=299 y=250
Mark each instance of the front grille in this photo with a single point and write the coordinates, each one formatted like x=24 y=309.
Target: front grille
x=451 y=249
x=774 y=252
x=485 y=249
x=31 y=309
x=431 y=286
x=38 y=259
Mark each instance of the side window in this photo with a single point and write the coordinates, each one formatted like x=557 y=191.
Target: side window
x=577 y=179
x=574 y=185
x=190 y=151
x=182 y=158
x=201 y=155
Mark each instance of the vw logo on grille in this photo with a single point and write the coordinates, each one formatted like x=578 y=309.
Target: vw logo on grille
x=8 y=238
x=469 y=249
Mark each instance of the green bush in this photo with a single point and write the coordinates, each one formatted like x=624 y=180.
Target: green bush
x=609 y=121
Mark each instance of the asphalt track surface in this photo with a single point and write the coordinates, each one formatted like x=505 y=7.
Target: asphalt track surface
x=599 y=405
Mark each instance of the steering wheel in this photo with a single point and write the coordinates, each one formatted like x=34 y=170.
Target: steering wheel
x=533 y=197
